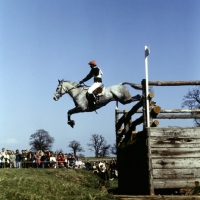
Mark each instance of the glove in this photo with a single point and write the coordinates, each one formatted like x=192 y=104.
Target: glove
x=80 y=82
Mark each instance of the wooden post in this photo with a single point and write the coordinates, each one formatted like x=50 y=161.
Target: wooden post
x=118 y=129
x=155 y=123
x=144 y=103
x=127 y=126
x=150 y=96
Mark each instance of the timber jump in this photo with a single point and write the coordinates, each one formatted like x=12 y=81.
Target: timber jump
x=157 y=159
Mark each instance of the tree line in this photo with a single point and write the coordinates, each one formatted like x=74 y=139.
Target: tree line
x=41 y=140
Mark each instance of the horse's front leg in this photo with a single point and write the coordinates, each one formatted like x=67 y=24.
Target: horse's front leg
x=70 y=112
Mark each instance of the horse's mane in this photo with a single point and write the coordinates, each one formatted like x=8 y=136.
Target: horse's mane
x=72 y=83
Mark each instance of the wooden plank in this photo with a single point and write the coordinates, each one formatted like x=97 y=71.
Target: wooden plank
x=175 y=183
x=173 y=83
x=167 y=111
x=176 y=173
x=122 y=112
x=175 y=132
x=128 y=114
x=177 y=116
x=178 y=163
x=157 y=197
x=175 y=152
x=180 y=111
x=176 y=142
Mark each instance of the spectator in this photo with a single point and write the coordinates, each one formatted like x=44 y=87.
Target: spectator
x=43 y=160
x=70 y=161
x=18 y=159
x=102 y=170
x=23 y=158
x=66 y=160
x=2 y=155
x=52 y=160
x=73 y=159
x=30 y=158
x=7 y=160
x=107 y=170
x=78 y=163
x=113 y=167
x=48 y=159
x=95 y=168
x=12 y=160
x=60 y=159
x=37 y=160
x=88 y=165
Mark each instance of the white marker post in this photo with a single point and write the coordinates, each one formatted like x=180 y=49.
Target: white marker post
x=147 y=52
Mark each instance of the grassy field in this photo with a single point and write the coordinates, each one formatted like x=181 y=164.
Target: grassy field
x=55 y=184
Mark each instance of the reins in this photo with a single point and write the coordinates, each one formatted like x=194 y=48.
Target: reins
x=73 y=87
x=67 y=91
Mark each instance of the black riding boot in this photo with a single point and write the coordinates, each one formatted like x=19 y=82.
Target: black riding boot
x=92 y=100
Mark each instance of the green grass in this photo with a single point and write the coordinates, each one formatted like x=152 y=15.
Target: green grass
x=55 y=184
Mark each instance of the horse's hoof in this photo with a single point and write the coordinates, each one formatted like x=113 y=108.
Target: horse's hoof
x=71 y=123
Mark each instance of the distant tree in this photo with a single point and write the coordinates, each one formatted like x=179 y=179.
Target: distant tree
x=105 y=150
x=192 y=101
x=80 y=155
x=41 y=140
x=113 y=149
x=75 y=146
x=98 y=145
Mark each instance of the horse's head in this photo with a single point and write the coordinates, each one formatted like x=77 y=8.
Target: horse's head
x=59 y=91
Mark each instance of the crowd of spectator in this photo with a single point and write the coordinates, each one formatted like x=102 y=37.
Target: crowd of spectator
x=107 y=170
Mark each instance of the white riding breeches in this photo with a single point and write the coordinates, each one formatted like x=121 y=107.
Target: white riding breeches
x=93 y=87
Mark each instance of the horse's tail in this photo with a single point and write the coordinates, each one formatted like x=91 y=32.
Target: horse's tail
x=133 y=85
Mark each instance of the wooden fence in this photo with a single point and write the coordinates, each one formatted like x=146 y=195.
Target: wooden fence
x=157 y=158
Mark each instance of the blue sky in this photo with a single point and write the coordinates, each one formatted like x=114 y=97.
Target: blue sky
x=43 y=41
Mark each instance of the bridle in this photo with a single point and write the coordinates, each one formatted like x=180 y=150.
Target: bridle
x=67 y=91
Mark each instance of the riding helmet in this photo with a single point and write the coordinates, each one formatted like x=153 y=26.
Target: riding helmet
x=92 y=62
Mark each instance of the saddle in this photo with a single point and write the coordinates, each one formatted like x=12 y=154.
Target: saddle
x=99 y=91
x=94 y=98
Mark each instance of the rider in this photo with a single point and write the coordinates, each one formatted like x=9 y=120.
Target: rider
x=96 y=73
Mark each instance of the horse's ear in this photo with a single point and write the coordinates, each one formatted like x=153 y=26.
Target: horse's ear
x=58 y=81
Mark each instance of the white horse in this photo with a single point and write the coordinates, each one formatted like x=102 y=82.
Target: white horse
x=78 y=93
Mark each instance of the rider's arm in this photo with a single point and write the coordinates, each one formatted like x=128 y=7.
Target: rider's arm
x=89 y=76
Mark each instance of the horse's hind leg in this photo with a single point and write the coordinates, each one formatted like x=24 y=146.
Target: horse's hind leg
x=130 y=100
x=136 y=98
